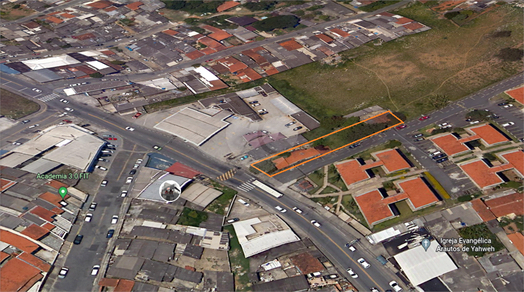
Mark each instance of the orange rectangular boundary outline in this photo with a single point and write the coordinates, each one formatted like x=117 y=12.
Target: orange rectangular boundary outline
x=388 y=112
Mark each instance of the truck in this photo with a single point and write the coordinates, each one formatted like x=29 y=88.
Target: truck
x=267 y=189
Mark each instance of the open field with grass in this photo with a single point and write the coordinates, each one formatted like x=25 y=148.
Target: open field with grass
x=15 y=106
x=413 y=74
x=11 y=11
x=239 y=263
x=220 y=204
x=191 y=217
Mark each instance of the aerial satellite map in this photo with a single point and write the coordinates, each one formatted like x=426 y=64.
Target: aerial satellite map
x=258 y=145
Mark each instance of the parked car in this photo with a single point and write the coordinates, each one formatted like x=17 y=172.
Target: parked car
x=315 y=223
x=508 y=124
x=25 y=121
x=64 y=100
x=137 y=115
x=78 y=239
x=92 y=207
x=355 y=145
x=262 y=110
x=130 y=129
x=33 y=126
x=69 y=109
x=297 y=128
x=282 y=210
x=508 y=105
x=502 y=103
x=401 y=127
x=418 y=139
x=110 y=233
x=438 y=156
x=290 y=124
x=95 y=270
x=123 y=194
x=297 y=210
x=253 y=102
x=243 y=202
x=351 y=273
x=132 y=172
x=63 y=272
x=474 y=122
x=424 y=118
x=417 y=135
x=136 y=166
x=103 y=183
x=139 y=161
x=67 y=121
x=129 y=180
x=263 y=113
x=232 y=220
x=89 y=217
x=114 y=219
x=395 y=286
x=156 y=147
x=101 y=168
x=37 y=90
x=363 y=263
x=442 y=160
x=351 y=248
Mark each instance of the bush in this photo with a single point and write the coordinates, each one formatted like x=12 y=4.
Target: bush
x=96 y=75
x=510 y=54
x=262 y=5
x=194 y=6
x=280 y=21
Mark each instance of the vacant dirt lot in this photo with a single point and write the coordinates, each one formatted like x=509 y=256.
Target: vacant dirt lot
x=407 y=75
x=15 y=106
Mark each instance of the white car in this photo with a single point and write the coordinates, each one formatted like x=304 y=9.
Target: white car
x=395 y=286
x=101 y=168
x=508 y=105
x=114 y=220
x=64 y=100
x=95 y=270
x=351 y=248
x=63 y=273
x=282 y=210
x=37 y=90
x=139 y=161
x=363 y=263
x=136 y=166
x=130 y=129
x=508 y=124
x=69 y=109
x=351 y=273
x=123 y=194
x=297 y=210
x=129 y=180
x=314 y=222
x=262 y=110
x=103 y=183
x=33 y=126
x=62 y=114
x=89 y=217
x=443 y=125
x=474 y=122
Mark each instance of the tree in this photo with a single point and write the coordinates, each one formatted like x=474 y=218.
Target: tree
x=262 y=5
x=96 y=75
x=280 y=21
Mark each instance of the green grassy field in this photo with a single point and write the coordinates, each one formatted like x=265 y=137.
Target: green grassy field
x=191 y=217
x=219 y=204
x=239 y=263
x=15 y=106
x=412 y=75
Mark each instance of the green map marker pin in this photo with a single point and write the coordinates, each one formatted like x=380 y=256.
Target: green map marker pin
x=63 y=192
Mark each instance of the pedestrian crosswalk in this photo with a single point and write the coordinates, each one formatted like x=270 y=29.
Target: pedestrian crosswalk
x=49 y=97
x=247 y=186
x=227 y=175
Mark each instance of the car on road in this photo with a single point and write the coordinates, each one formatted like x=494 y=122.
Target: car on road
x=114 y=219
x=123 y=194
x=263 y=113
x=137 y=115
x=63 y=272
x=423 y=118
x=417 y=135
x=69 y=109
x=129 y=180
x=62 y=114
x=282 y=210
x=25 y=121
x=17 y=143
x=130 y=129
x=363 y=263
x=401 y=127
x=139 y=161
x=67 y=121
x=351 y=248
x=78 y=239
x=442 y=160
x=64 y=100
x=290 y=124
x=354 y=145
x=297 y=128
x=502 y=103
x=232 y=220
x=89 y=217
x=132 y=172
x=351 y=273
x=374 y=289
x=508 y=105
x=103 y=183
x=297 y=210
x=110 y=233
x=95 y=270
x=508 y=124
x=315 y=223
x=37 y=90
x=244 y=157
x=395 y=286
x=262 y=110
x=92 y=207
x=101 y=168
x=444 y=125
x=474 y=122
x=156 y=147
x=419 y=139
x=33 y=126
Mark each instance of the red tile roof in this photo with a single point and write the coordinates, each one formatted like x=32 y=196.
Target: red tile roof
x=270 y=70
x=124 y=286
x=306 y=263
x=227 y=5
x=35 y=232
x=509 y=204
x=488 y=134
x=31 y=24
x=56 y=184
x=449 y=144
x=217 y=84
x=248 y=74
x=403 y=20
x=52 y=198
x=54 y=19
x=85 y=36
x=518 y=241
x=516 y=160
x=221 y=35
x=194 y=55
x=67 y=15
x=100 y=4
x=326 y=51
x=418 y=192
x=209 y=42
x=483 y=211
x=413 y=26
x=18 y=241
x=324 y=38
x=106 y=282
x=232 y=64
x=208 y=51
x=17 y=274
x=43 y=213
x=484 y=176
x=340 y=32
x=256 y=57
x=5 y=184
x=134 y=5
x=170 y=32
x=34 y=261
x=3 y=256
x=291 y=45
x=392 y=160
x=517 y=94
x=109 y=9
x=351 y=171
x=182 y=170
x=373 y=208
x=108 y=53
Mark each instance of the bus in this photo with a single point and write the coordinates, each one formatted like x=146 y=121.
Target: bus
x=267 y=189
